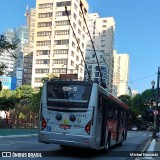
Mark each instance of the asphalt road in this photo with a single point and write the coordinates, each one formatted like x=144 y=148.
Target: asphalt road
x=23 y=145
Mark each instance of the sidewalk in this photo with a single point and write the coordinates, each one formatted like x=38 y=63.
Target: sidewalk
x=157 y=147
x=153 y=149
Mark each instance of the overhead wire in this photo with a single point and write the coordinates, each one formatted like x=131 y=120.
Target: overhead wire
x=109 y=49
x=103 y=85
x=77 y=41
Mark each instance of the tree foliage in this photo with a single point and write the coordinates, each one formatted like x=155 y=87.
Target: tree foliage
x=126 y=99
x=24 y=92
x=7 y=100
x=5 y=46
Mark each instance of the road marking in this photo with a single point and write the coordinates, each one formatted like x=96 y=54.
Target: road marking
x=7 y=144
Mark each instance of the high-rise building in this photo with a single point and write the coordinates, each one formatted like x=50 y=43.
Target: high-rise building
x=20 y=39
x=6 y=57
x=29 y=47
x=56 y=50
x=121 y=74
x=102 y=35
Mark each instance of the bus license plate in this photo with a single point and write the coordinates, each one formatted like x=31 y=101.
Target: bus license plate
x=63 y=126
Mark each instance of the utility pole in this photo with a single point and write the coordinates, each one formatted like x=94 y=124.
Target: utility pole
x=157 y=98
x=156 y=107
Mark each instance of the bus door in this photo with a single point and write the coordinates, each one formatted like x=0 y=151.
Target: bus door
x=103 y=109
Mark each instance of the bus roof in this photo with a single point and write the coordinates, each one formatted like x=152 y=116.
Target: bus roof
x=112 y=97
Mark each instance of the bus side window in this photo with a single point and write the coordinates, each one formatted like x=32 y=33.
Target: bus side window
x=110 y=111
x=110 y=115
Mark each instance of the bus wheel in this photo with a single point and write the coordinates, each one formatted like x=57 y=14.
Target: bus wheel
x=107 y=145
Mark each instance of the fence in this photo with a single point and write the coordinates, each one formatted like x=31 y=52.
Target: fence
x=19 y=123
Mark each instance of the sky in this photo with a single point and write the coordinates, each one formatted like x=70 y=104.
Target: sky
x=137 y=32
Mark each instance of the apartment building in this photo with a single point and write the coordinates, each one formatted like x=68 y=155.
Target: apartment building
x=121 y=74
x=56 y=50
x=102 y=34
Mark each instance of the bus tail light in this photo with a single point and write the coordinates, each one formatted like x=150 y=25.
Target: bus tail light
x=88 y=127
x=44 y=124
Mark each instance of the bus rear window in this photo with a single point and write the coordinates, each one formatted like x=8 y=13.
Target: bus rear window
x=68 y=93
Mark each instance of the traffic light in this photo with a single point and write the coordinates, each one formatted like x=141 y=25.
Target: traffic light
x=0 y=85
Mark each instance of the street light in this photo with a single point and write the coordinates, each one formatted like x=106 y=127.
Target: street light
x=155 y=111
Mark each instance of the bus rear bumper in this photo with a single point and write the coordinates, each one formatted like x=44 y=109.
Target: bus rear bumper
x=68 y=140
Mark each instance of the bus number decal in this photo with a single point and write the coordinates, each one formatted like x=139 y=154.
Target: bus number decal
x=81 y=115
x=69 y=88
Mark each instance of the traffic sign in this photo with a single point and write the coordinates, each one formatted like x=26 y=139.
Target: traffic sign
x=155 y=112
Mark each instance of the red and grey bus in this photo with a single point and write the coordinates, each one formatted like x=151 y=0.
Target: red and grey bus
x=81 y=114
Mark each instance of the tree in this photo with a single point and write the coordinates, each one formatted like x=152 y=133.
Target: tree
x=35 y=102
x=7 y=100
x=126 y=99
x=5 y=46
x=50 y=77
x=24 y=92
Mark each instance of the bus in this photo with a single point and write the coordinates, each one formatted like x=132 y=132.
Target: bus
x=81 y=114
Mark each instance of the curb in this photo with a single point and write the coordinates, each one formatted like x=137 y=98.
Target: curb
x=15 y=136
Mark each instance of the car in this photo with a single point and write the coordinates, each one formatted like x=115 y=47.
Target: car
x=134 y=128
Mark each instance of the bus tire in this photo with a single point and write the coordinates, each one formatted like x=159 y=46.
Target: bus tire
x=108 y=144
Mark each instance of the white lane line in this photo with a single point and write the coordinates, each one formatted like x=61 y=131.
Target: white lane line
x=152 y=145
x=7 y=144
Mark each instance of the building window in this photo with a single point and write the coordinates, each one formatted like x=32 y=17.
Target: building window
x=75 y=17
x=43 y=43
x=72 y=54
x=74 y=25
x=42 y=61
x=61 y=42
x=62 y=4
x=38 y=80
x=62 y=13
x=45 y=5
x=45 y=33
x=41 y=71
x=61 y=51
x=82 y=45
x=104 y=26
x=44 y=24
x=75 y=6
x=79 y=32
x=43 y=52
x=77 y=58
x=59 y=61
x=45 y=15
x=72 y=63
x=62 y=32
x=89 y=66
x=59 y=70
x=79 y=22
x=62 y=23
x=80 y=13
x=73 y=44
x=83 y=37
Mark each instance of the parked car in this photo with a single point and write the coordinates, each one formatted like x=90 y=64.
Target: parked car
x=134 y=128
